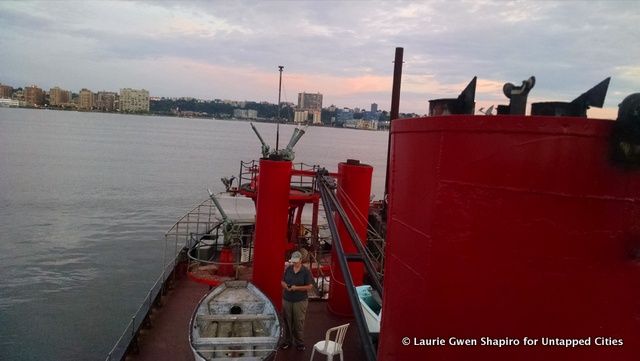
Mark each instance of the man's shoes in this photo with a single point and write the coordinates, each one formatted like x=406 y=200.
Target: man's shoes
x=300 y=347
x=285 y=346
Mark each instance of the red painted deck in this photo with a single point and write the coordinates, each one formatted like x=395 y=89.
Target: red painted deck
x=168 y=339
x=319 y=320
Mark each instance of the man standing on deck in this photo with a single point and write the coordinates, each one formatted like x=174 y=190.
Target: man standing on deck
x=296 y=282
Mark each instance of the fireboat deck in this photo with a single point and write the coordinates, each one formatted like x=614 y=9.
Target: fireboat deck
x=168 y=336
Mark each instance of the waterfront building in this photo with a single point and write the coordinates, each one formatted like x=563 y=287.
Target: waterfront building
x=245 y=113
x=106 y=101
x=300 y=116
x=307 y=101
x=235 y=103
x=344 y=115
x=307 y=116
x=6 y=91
x=59 y=97
x=367 y=124
x=375 y=116
x=33 y=96
x=6 y=102
x=134 y=100
x=309 y=108
x=85 y=99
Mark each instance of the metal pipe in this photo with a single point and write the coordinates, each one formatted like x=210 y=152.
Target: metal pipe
x=265 y=147
x=397 y=76
x=295 y=137
x=353 y=257
x=278 y=120
x=258 y=134
x=358 y=243
x=395 y=112
x=215 y=201
x=365 y=339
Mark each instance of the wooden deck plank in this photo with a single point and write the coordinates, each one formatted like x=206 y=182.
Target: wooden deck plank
x=231 y=318
x=234 y=341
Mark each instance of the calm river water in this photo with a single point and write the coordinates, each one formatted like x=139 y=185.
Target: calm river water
x=85 y=199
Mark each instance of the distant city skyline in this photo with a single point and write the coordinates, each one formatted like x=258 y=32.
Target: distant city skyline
x=128 y=100
x=313 y=100
x=231 y=50
x=103 y=100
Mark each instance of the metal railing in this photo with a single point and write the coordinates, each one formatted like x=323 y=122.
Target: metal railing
x=248 y=172
x=205 y=250
x=200 y=220
x=306 y=181
x=333 y=207
x=375 y=251
x=303 y=177
x=127 y=337
x=201 y=224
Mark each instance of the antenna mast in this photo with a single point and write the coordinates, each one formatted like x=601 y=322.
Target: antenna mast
x=278 y=120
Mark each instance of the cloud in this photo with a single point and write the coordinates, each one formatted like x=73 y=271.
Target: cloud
x=343 y=49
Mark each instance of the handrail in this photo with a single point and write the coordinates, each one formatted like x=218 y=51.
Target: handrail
x=354 y=237
x=119 y=350
x=205 y=203
x=375 y=241
x=330 y=205
x=250 y=170
x=176 y=234
x=201 y=242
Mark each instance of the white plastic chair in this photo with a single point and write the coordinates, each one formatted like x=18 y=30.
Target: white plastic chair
x=331 y=347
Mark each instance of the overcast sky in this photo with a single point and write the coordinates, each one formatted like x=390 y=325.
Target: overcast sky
x=342 y=49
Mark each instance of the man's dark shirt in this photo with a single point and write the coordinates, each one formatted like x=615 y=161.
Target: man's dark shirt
x=302 y=278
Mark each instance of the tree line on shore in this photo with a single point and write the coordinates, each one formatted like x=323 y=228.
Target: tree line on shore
x=219 y=109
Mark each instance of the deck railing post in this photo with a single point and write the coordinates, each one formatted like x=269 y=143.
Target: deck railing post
x=188 y=225
x=198 y=221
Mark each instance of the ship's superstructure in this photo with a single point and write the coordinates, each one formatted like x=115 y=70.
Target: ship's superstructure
x=507 y=236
